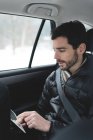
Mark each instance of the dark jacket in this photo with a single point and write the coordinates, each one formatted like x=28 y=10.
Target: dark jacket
x=79 y=91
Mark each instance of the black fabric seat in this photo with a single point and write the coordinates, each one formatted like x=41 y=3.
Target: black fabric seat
x=90 y=41
x=82 y=130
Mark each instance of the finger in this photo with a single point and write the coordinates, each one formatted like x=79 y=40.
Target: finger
x=19 y=120
x=24 y=114
x=24 y=124
x=28 y=118
x=30 y=125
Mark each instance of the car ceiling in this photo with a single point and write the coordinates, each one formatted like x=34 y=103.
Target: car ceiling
x=67 y=9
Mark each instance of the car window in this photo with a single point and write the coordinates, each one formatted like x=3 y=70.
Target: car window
x=44 y=54
x=17 y=36
x=87 y=26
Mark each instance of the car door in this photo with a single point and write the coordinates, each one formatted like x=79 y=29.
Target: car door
x=26 y=59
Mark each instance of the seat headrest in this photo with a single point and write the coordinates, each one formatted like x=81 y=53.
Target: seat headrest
x=90 y=40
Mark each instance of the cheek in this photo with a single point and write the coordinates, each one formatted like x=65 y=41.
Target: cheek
x=66 y=57
x=70 y=55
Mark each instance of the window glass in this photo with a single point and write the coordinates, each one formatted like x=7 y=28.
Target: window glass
x=44 y=54
x=87 y=26
x=17 y=35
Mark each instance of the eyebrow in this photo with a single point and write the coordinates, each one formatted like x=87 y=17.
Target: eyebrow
x=60 y=48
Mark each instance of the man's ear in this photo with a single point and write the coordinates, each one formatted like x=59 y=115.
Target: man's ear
x=82 y=48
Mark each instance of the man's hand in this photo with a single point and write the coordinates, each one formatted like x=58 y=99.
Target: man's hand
x=33 y=120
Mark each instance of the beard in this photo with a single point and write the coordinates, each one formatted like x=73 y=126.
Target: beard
x=67 y=65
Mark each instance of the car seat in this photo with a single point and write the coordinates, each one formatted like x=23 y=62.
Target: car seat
x=90 y=41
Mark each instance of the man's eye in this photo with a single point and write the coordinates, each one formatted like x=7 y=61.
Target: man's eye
x=62 y=50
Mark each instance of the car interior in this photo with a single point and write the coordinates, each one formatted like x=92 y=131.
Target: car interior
x=26 y=54
x=89 y=40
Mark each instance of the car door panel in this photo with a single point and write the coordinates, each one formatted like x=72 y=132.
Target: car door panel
x=25 y=87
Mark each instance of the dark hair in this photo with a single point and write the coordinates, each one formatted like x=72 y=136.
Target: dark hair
x=74 y=31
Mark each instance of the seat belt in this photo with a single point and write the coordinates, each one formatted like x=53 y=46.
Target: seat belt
x=67 y=105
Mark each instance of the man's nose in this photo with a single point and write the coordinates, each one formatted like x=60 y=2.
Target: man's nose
x=56 y=55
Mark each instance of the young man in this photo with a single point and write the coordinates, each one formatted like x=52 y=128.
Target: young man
x=69 y=44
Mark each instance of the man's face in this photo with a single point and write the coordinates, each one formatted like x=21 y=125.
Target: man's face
x=65 y=55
